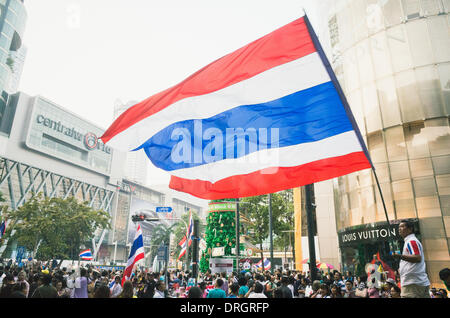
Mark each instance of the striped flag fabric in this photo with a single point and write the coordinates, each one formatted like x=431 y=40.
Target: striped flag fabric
x=265 y=118
x=184 y=243
x=86 y=255
x=267 y=264
x=136 y=254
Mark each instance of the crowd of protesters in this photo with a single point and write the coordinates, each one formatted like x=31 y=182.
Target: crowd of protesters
x=52 y=281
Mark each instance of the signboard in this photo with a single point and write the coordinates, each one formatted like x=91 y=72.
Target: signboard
x=59 y=133
x=112 y=268
x=222 y=207
x=370 y=233
x=220 y=265
x=162 y=253
x=163 y=209
x=218 y=251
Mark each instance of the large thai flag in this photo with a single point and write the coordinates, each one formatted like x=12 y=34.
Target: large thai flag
x=136 y=254
x=267 y=117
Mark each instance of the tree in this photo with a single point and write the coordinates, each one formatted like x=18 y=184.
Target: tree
x=60 y=225
x=160 y=234
x=283 y=220
x=257 y=212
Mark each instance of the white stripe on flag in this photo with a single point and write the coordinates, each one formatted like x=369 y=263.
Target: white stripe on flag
x=272 y=84
x=140 y=250
x=291 y=156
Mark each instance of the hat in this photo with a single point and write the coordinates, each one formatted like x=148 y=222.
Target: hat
x=390 y=281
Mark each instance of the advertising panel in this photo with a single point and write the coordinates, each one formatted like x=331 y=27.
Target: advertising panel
x=61 y=134
x=220 y=265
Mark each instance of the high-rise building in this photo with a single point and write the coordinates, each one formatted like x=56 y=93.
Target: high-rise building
x=13 y=17
x=18 y=61
x=136 y=167
x=392 y=58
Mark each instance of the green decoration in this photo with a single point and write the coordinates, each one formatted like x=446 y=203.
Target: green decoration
x=220 y=230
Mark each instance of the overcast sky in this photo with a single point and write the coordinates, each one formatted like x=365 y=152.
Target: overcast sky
x=86 y=54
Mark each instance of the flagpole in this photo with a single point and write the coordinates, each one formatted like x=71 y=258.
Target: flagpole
x=338 y=87
x=270 y=234
x=237 y=245
x=309 y=188
x=187 y=243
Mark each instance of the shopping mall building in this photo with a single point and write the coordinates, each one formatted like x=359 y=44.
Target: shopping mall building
x=392 y=58
x=47 y=148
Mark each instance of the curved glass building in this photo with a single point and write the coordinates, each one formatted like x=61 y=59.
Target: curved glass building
x=392 y=58
x=13 y=17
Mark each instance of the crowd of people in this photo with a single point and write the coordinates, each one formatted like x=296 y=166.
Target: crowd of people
x=46 y=281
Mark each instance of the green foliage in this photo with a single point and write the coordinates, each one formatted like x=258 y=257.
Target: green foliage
x=161 y=233
x=61 y=225
x=283 y=218
x=256 y=210
x=220 y=229
x=180 y=231
x=220 y=232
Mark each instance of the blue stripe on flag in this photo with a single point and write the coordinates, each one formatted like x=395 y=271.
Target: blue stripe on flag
x=138 y=242
x=306 y=116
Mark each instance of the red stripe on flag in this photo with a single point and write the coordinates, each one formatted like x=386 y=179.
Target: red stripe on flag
x=255 y=183
x=129 y=270
x=182 y=241
x=284 y=45
x=415 y=247
x=182 y=253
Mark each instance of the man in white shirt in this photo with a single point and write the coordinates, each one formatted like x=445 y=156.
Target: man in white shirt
x=159 y=290
x=116 y=289
x=257 y=291
x=413 y=276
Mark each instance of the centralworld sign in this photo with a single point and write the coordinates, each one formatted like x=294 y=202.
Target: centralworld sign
x=89 y=140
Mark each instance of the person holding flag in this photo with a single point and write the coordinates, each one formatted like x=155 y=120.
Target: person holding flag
x=136 y=254
x=86 y=255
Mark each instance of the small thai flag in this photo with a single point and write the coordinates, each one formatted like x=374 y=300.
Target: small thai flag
x=267 y=264
x=86 y=255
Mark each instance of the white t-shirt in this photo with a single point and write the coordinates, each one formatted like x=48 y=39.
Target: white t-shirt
x=413 y=273
x=116 y=290
x=257 y=295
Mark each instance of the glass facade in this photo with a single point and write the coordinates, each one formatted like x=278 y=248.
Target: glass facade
x=392 y=59
x=13 y=17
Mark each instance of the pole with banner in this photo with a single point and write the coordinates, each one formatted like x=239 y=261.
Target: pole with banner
x=195 y=243
x=270 y=233
x=237 y=235
x=311 y=230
